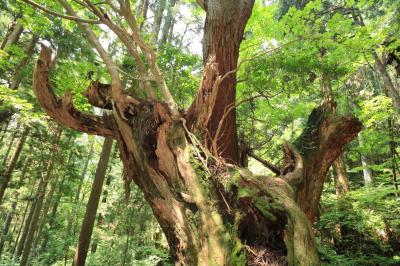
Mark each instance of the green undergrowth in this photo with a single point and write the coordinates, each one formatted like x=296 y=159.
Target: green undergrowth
x=360 y=228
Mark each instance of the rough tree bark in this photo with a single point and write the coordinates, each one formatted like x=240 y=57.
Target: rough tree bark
x=388 y=83
x=92 y=205
x=215 y=104
x=211 y=211
x=320 y=144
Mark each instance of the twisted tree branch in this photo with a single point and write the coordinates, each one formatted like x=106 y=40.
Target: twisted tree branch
x=62 y=110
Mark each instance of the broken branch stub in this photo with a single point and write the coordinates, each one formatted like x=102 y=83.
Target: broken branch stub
x=321 y=143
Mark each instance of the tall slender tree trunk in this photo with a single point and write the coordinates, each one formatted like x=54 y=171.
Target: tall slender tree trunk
x=4 y=130
x=381 y=68
x=84 y=171
x=158 y=16
x=100 y=216
x=25 y=230
x=74 y=213
x=141 y=12
x=6 y=177
x=128 y=238
x=13 y=37
x=17 y=224
x=23 y=218
x=387 y=81
x=168 y=21
x=39 y=200
x=45 y=211
x=52 y=219
x=393 y=153
x=341 y=180
x=19 y=243
x=392 y=143
x=24 y=170
x=17 y=76
x=49 y=200
x=367 y=173
x=6 y=226
x=9 y=147
x=92 y=205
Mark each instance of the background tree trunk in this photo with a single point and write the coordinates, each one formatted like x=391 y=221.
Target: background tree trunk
x=388 y=83
x=74 y=212
x=13 y=37
x=6 y=177
x=341 y=180
x=92 y=205
x=320 y=147
x=5 y=115
x=367 y=173
x=45 y=211
x=168 y=23
x=19 y=242
x=158 y=16
x=39 y=200
x=17 y=76
x=10 y=145
x=6 y=226
x=5 y=128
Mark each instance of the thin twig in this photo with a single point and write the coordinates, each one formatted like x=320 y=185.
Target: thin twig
x=51 y=12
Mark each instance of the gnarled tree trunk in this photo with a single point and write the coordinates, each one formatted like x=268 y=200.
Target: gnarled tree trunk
x=211 y=211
